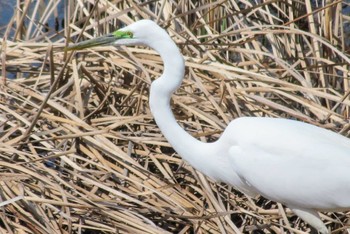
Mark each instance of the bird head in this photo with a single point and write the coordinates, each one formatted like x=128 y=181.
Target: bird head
x=143 y=32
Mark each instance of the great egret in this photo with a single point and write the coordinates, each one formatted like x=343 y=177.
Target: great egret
x=305 y=167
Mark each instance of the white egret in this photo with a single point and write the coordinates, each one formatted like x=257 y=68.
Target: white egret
x=305 y=167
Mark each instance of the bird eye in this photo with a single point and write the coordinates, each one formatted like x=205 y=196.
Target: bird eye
x=130 y=34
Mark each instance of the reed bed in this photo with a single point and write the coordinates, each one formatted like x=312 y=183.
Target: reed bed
x=79 y=149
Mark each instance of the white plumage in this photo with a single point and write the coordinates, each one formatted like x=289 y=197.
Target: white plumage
x=305 y=167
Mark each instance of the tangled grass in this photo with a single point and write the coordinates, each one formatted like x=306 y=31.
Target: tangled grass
x=79 y=149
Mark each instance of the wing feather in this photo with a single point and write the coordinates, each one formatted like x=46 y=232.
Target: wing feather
x=289 y=161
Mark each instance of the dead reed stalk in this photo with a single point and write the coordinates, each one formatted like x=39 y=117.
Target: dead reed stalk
x=79 y=150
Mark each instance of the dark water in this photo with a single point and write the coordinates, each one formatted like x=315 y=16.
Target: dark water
x=9 y=7
x=6 y=11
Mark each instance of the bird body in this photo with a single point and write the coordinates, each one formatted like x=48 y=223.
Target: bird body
x=291 y=162
x=305 y=167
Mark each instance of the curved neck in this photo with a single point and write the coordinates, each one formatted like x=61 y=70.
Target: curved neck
x=160 y=94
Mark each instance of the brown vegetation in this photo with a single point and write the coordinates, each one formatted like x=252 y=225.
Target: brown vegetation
x=79 y=150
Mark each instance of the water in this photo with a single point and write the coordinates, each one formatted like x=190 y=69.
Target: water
x=6 y=11
x=54 y=22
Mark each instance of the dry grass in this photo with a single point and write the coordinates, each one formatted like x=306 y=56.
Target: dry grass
x=79 y=150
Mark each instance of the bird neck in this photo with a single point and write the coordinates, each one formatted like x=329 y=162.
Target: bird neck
x=160 y=94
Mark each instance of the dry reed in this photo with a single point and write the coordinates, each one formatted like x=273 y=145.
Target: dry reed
x=79 y=149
